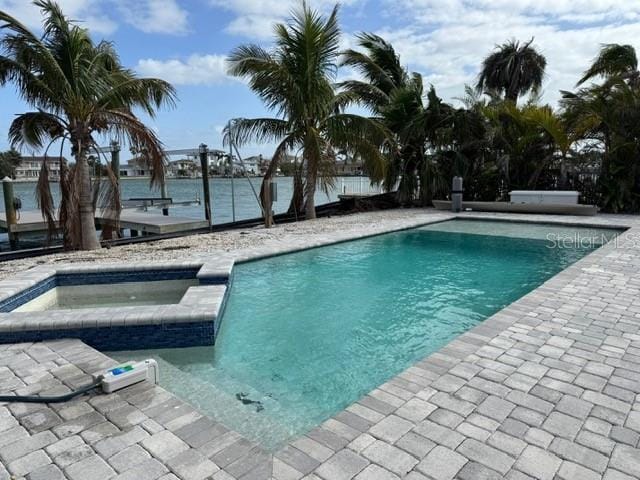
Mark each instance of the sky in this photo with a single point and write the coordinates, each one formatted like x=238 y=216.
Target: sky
x=186 y=41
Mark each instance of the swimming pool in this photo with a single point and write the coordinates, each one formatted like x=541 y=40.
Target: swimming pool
x=306 y=334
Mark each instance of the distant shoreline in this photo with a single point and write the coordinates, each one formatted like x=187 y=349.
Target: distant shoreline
x=20 y=180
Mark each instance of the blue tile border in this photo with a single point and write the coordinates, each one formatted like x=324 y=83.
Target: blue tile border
x=26 y=295
x=213 y=280
x=102 y=278
x=223 y=305
x=130 y=337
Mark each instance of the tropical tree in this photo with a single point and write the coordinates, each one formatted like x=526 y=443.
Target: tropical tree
x=607 y=115
x=380 y=67
x=561 y=133
x=512 y=70
x=524 y=148
x=9 y=161
x=80 y=92
x=395 y=99
x=461 y=146
x=614 y=61
x=296 y=80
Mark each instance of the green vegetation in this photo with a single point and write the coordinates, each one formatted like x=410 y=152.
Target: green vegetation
x=78 y=90
x=512 y=70
x=9 y=160
x=498 y=136
x=606 y=116
x=591 y=144
x=296 y=80
x=499 y=139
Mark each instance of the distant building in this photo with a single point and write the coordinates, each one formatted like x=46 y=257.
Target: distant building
x=264 y=164
x=183 y=168
x=29 y=168
x=135 y=167
x=251 y=165
x=217 y=162
x=348 y=166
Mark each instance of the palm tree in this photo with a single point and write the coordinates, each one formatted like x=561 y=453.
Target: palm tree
x=614 y=61
x=396 y=100
x=79 y=90
x=512 y=70
x=295 y=80
x=522 y=142
x=606 y=115
x=380 y=66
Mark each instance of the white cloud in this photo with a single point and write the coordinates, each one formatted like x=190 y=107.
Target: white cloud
x=155 y=16
x=195 y=70
x=446 y=40
x=89 y=13
x=255 y=18
x=149 y=16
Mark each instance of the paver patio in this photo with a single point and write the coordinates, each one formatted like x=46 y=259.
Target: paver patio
x=547 y=388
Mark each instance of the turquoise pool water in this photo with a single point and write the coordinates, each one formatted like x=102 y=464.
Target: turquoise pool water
x=307 y=334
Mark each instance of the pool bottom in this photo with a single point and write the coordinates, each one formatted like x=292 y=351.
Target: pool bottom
x=226 y=400
x=305 y=345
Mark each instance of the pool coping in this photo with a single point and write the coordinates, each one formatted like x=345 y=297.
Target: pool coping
x=345 y=441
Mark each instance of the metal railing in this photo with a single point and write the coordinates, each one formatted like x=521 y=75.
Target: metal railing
x=360 y=185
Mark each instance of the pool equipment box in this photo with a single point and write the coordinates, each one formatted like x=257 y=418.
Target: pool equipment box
x=128 y=374
x=544 y=197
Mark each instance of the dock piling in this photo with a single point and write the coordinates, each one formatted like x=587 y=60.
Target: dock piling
x=204 y=164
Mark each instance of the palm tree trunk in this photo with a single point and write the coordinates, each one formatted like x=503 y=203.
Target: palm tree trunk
x=310 y=193
x=265 y=193
x=407 y=187
x=511 y=96
x=563 y=172
x=297 y=198
x=89 y=239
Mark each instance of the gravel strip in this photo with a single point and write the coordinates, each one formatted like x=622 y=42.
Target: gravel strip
x=180 y=248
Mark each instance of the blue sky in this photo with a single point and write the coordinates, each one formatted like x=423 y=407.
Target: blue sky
x=185 y=42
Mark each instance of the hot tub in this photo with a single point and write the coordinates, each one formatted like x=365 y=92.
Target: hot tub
x=114 y=307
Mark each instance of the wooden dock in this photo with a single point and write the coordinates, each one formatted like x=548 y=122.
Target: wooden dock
x=31 y=222
x=155 y=223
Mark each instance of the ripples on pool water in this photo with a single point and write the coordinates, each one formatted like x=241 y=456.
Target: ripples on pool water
x=307 y=334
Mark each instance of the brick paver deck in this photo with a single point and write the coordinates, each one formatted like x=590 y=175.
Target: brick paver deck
x=548 y=388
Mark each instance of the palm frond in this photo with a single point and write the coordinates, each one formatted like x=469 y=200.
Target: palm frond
x=125 y=125
x=33 y=129
x=109 y=204
x=512 y=69
x=362 y=93
x=380 y=65
x=241 y=131
x=612 y=60
x=44 y=200
x=149 y=94
x=69 y=211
